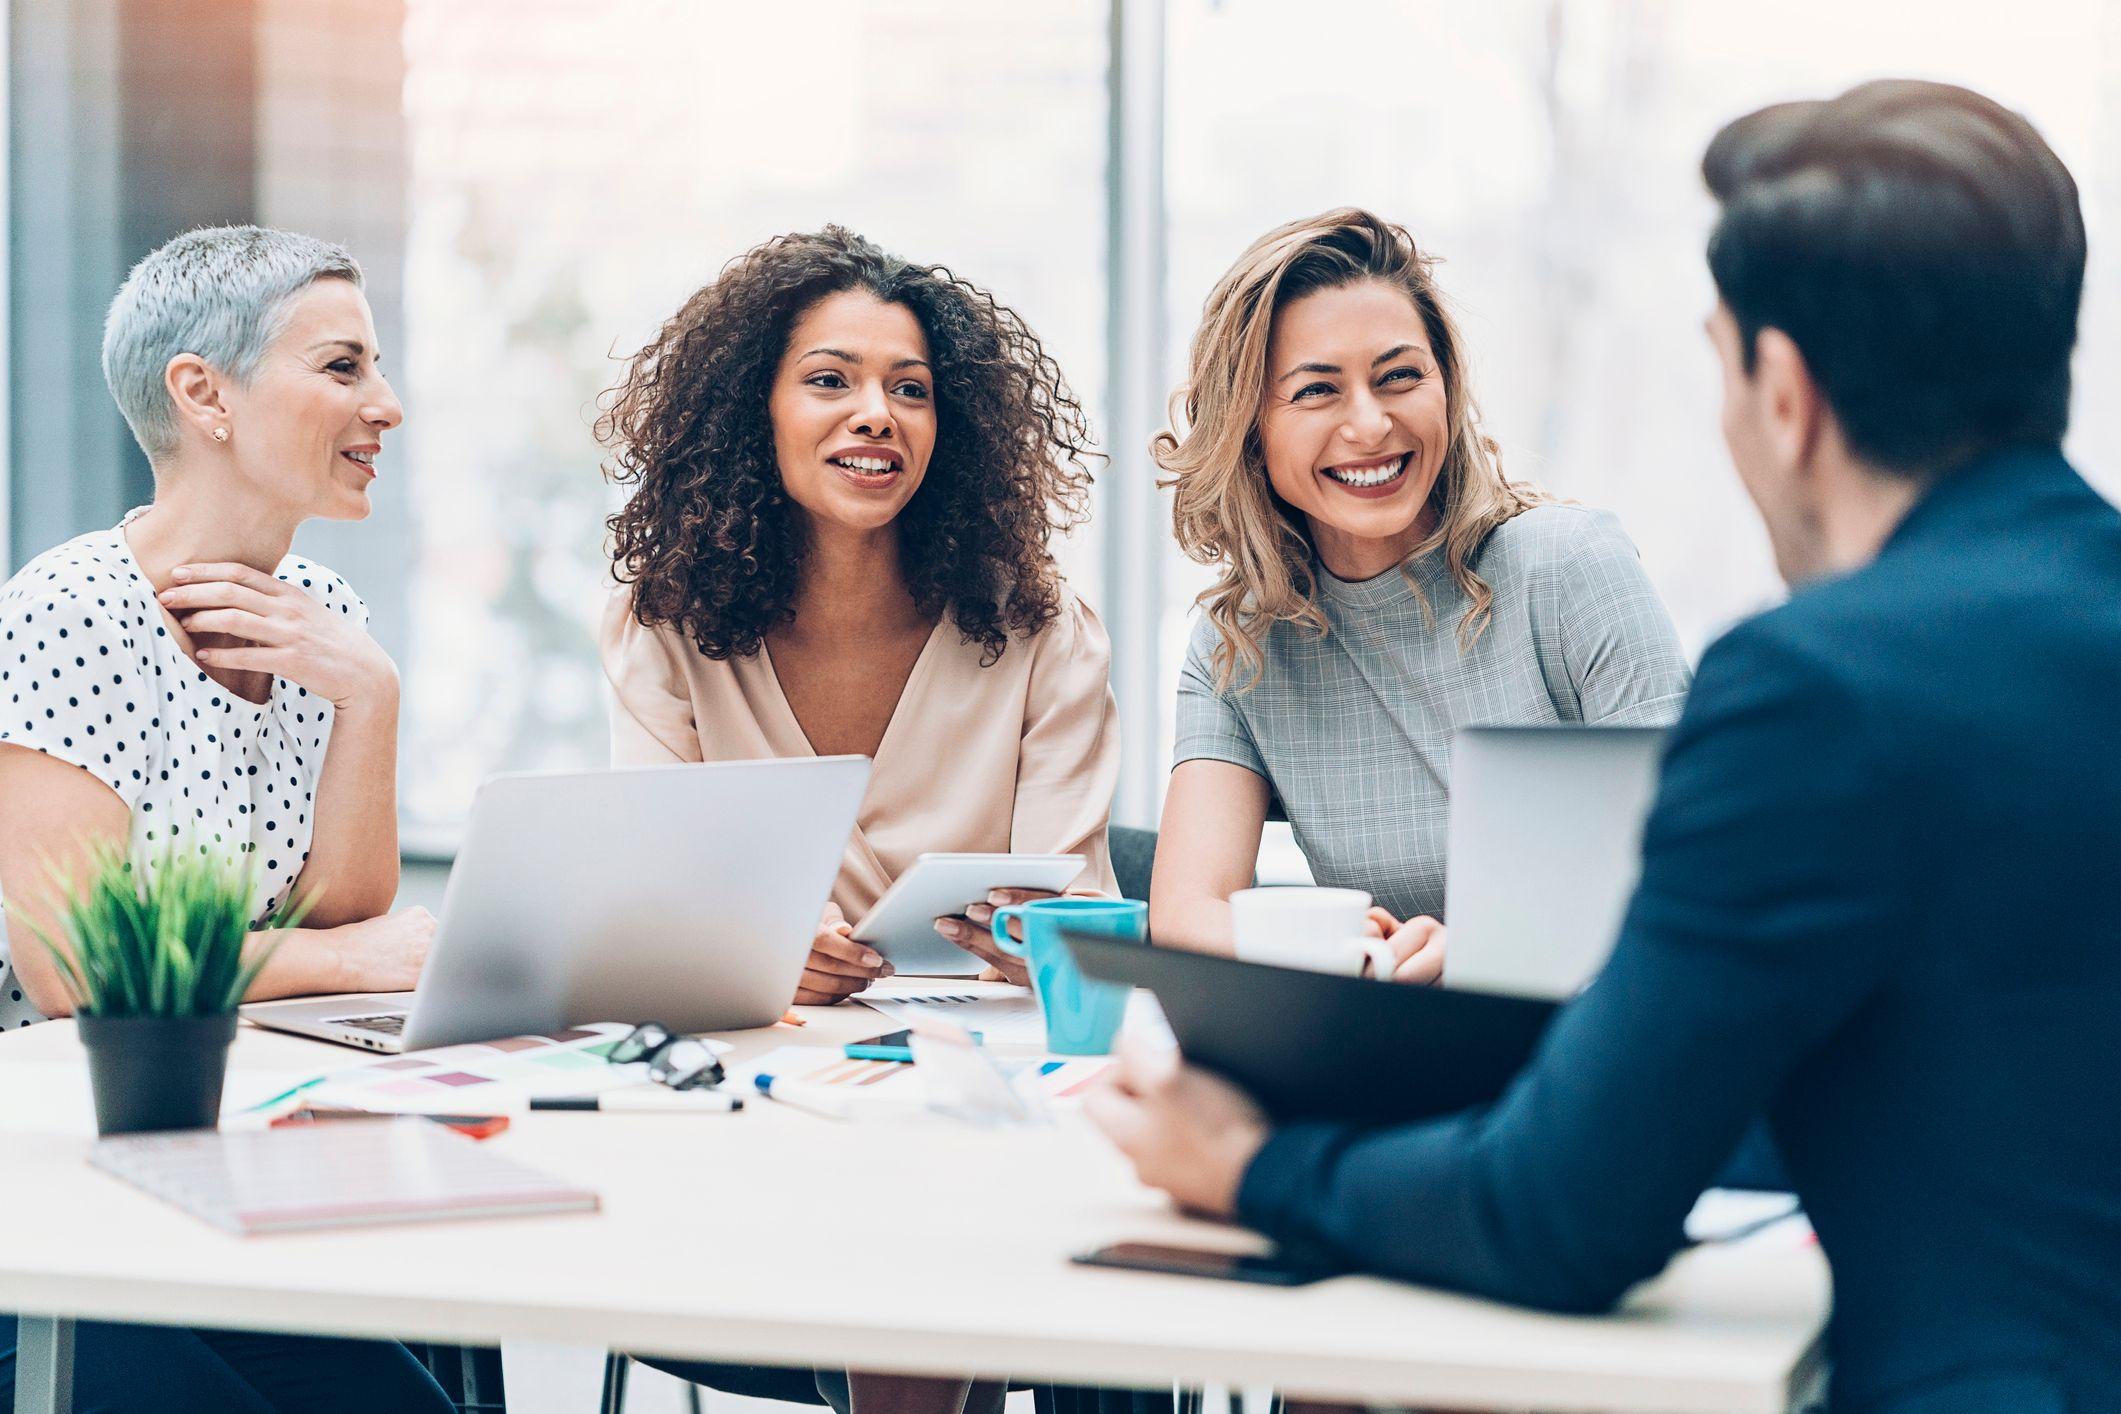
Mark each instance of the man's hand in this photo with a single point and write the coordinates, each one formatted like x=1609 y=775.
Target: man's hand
x=838 y=966
x=1187 y=1132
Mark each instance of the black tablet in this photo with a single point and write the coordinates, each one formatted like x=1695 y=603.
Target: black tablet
x=1313 y=1045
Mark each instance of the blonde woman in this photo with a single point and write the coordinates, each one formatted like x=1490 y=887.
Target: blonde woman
x=1381 y=584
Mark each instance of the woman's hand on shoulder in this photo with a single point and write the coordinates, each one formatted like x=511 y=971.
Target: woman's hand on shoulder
x=838 y=966
x=284 y=632
x=384 y=954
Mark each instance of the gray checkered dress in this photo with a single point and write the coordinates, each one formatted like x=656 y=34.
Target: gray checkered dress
x=1353 y=730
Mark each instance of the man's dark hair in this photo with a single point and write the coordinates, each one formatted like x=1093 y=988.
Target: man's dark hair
x=1924 y=249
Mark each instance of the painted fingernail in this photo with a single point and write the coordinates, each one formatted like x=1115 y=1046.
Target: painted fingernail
x=181 y=572
x=870 y=959
x=997 y=895
x=947 y=927
x=206 y=655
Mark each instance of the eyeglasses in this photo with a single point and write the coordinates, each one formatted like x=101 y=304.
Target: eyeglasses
x=679 y=1062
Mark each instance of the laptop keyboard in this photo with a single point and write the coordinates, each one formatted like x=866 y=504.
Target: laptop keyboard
x=391 y=1024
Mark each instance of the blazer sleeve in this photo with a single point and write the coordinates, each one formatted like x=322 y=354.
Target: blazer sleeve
x=1068 y=760
x=1771 y=907
x=652 y=721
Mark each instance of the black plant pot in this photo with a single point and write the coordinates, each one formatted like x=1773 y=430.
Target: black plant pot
x=157 y=1072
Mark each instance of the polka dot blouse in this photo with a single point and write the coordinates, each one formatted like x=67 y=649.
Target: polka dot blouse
x=90 y=674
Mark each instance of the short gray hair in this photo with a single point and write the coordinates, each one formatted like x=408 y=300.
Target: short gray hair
x=220 y=292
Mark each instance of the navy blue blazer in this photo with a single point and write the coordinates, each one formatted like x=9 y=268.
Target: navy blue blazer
x=1880 y=903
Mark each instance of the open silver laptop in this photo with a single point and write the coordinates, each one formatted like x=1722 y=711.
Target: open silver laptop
x=1545 y=849
x=681 y=894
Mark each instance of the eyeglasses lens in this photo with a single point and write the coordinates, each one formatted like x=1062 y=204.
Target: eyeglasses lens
x=640 y=1043
x=686 y=1064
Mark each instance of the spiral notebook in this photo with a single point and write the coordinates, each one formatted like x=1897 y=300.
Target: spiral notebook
x=334 y=1175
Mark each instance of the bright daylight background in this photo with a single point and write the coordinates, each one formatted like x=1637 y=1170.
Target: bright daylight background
x=536 y=183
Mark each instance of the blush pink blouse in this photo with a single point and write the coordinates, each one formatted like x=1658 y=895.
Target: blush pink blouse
x=1019 y=757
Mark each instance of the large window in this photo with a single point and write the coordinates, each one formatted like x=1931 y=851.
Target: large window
x=577 y=171
x=552 y=177
x=7 y=381
x=1548 y=152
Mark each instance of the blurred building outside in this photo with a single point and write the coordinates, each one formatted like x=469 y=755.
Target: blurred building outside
x=533 y=185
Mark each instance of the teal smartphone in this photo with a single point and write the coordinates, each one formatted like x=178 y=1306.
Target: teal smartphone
x=897 y=1046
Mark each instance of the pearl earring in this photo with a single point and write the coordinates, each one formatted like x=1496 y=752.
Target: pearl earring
x=220 y=434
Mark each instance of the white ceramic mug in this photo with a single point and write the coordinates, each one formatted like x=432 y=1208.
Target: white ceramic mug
x=1318 y=930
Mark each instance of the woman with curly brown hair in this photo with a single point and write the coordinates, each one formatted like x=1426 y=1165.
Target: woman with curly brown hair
x=847 y=468
x=1381 y=584
x=846 y=471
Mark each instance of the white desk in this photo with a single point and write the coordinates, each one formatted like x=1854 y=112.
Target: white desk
x=776 y=1236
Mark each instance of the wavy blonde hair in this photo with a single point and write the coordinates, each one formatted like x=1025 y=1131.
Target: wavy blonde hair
x=1225 y=511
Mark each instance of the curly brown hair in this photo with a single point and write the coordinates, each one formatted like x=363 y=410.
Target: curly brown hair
x=712 y=544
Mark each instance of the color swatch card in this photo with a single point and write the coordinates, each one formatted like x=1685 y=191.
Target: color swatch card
x=827 y=1068
x=1037 y=1084
x=482 y=1077
x=1064 y=1083
x=333 y=1175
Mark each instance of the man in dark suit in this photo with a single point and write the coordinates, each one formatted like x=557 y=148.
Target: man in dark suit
x=1879 y=901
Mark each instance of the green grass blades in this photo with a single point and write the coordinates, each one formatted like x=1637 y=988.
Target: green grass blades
x=172 y=939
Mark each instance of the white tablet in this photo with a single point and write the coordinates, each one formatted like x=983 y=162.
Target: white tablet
x=902 y=925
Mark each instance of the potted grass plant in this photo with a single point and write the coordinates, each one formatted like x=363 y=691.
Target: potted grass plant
x=156 y=960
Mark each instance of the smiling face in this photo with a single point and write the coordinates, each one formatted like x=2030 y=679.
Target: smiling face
x=1355 y=423
x=312 y=418
x=310 y=422
x=853 y=410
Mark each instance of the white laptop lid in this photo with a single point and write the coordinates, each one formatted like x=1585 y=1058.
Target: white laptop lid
x=683 y=894
x=1545 y=848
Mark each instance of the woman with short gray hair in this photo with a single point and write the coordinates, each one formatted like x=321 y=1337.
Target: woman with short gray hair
x=182 y=680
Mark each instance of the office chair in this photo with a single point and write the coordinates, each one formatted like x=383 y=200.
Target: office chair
x=1133 y=859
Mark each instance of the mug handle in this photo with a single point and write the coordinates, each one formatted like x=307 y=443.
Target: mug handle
x=1383 y=961
x=1000 y=924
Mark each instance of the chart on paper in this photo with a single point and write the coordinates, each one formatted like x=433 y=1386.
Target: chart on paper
x=1001 y=1020
x=1002 y=1014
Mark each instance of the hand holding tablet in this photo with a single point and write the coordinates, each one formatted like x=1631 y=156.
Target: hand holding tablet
x=974 y=932
x=902 y=925
x=838 y=967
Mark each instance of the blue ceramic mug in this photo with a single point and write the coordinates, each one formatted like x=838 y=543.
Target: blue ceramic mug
x=1082 y=1014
